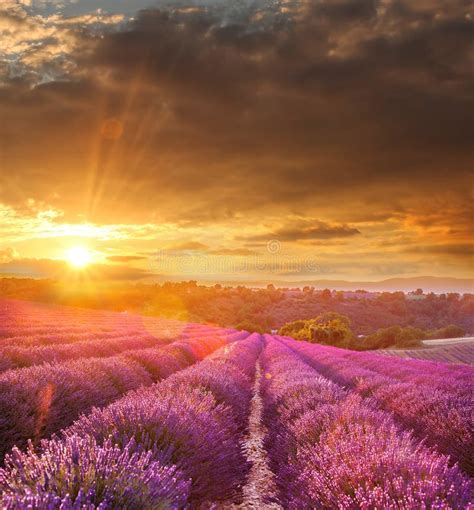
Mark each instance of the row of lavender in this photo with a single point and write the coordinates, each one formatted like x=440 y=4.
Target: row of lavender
x=64 y=333
x=18 y=356
x=462 y=352
x=12 y=357
x=331 y=448
x=40 y=400
x=175 y=444
x=27 y=323
x=434 y=400
x=149 y=327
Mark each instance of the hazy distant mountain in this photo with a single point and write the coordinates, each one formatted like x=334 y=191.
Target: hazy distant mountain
x=427 y=283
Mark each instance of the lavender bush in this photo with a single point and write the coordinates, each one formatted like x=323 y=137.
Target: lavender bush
x=78 y=473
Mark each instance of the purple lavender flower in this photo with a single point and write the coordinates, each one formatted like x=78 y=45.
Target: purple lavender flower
x=332 y=448
x=78 y=473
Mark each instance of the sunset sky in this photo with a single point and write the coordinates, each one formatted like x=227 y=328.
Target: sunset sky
x=243 y=140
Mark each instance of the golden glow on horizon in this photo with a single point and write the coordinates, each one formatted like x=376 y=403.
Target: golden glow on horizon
x=79 y=257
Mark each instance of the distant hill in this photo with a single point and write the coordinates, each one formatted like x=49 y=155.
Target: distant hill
x=427 y=283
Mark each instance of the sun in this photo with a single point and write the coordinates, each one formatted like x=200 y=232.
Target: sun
x=79 y=257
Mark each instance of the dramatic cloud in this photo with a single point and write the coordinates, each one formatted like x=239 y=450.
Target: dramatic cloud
x=38 y=48
x=36 y=220
x=306 y=231
x=222 y=123
x=465 y=251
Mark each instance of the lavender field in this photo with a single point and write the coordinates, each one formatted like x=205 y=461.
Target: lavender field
x=455 y=352
x=104 y=410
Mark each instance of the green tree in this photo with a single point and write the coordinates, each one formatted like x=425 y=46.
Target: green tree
x=326 y=295
x=296 y=329
x=332 y=328
x=326 y=317
x=451 y=331
x=395 y=336
x=251 y=327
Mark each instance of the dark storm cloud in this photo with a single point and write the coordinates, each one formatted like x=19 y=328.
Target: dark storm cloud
x=338 y=101
x=306 y=232
x=348 y=11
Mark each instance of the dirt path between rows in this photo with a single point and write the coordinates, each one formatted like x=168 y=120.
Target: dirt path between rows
x=260 y=485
